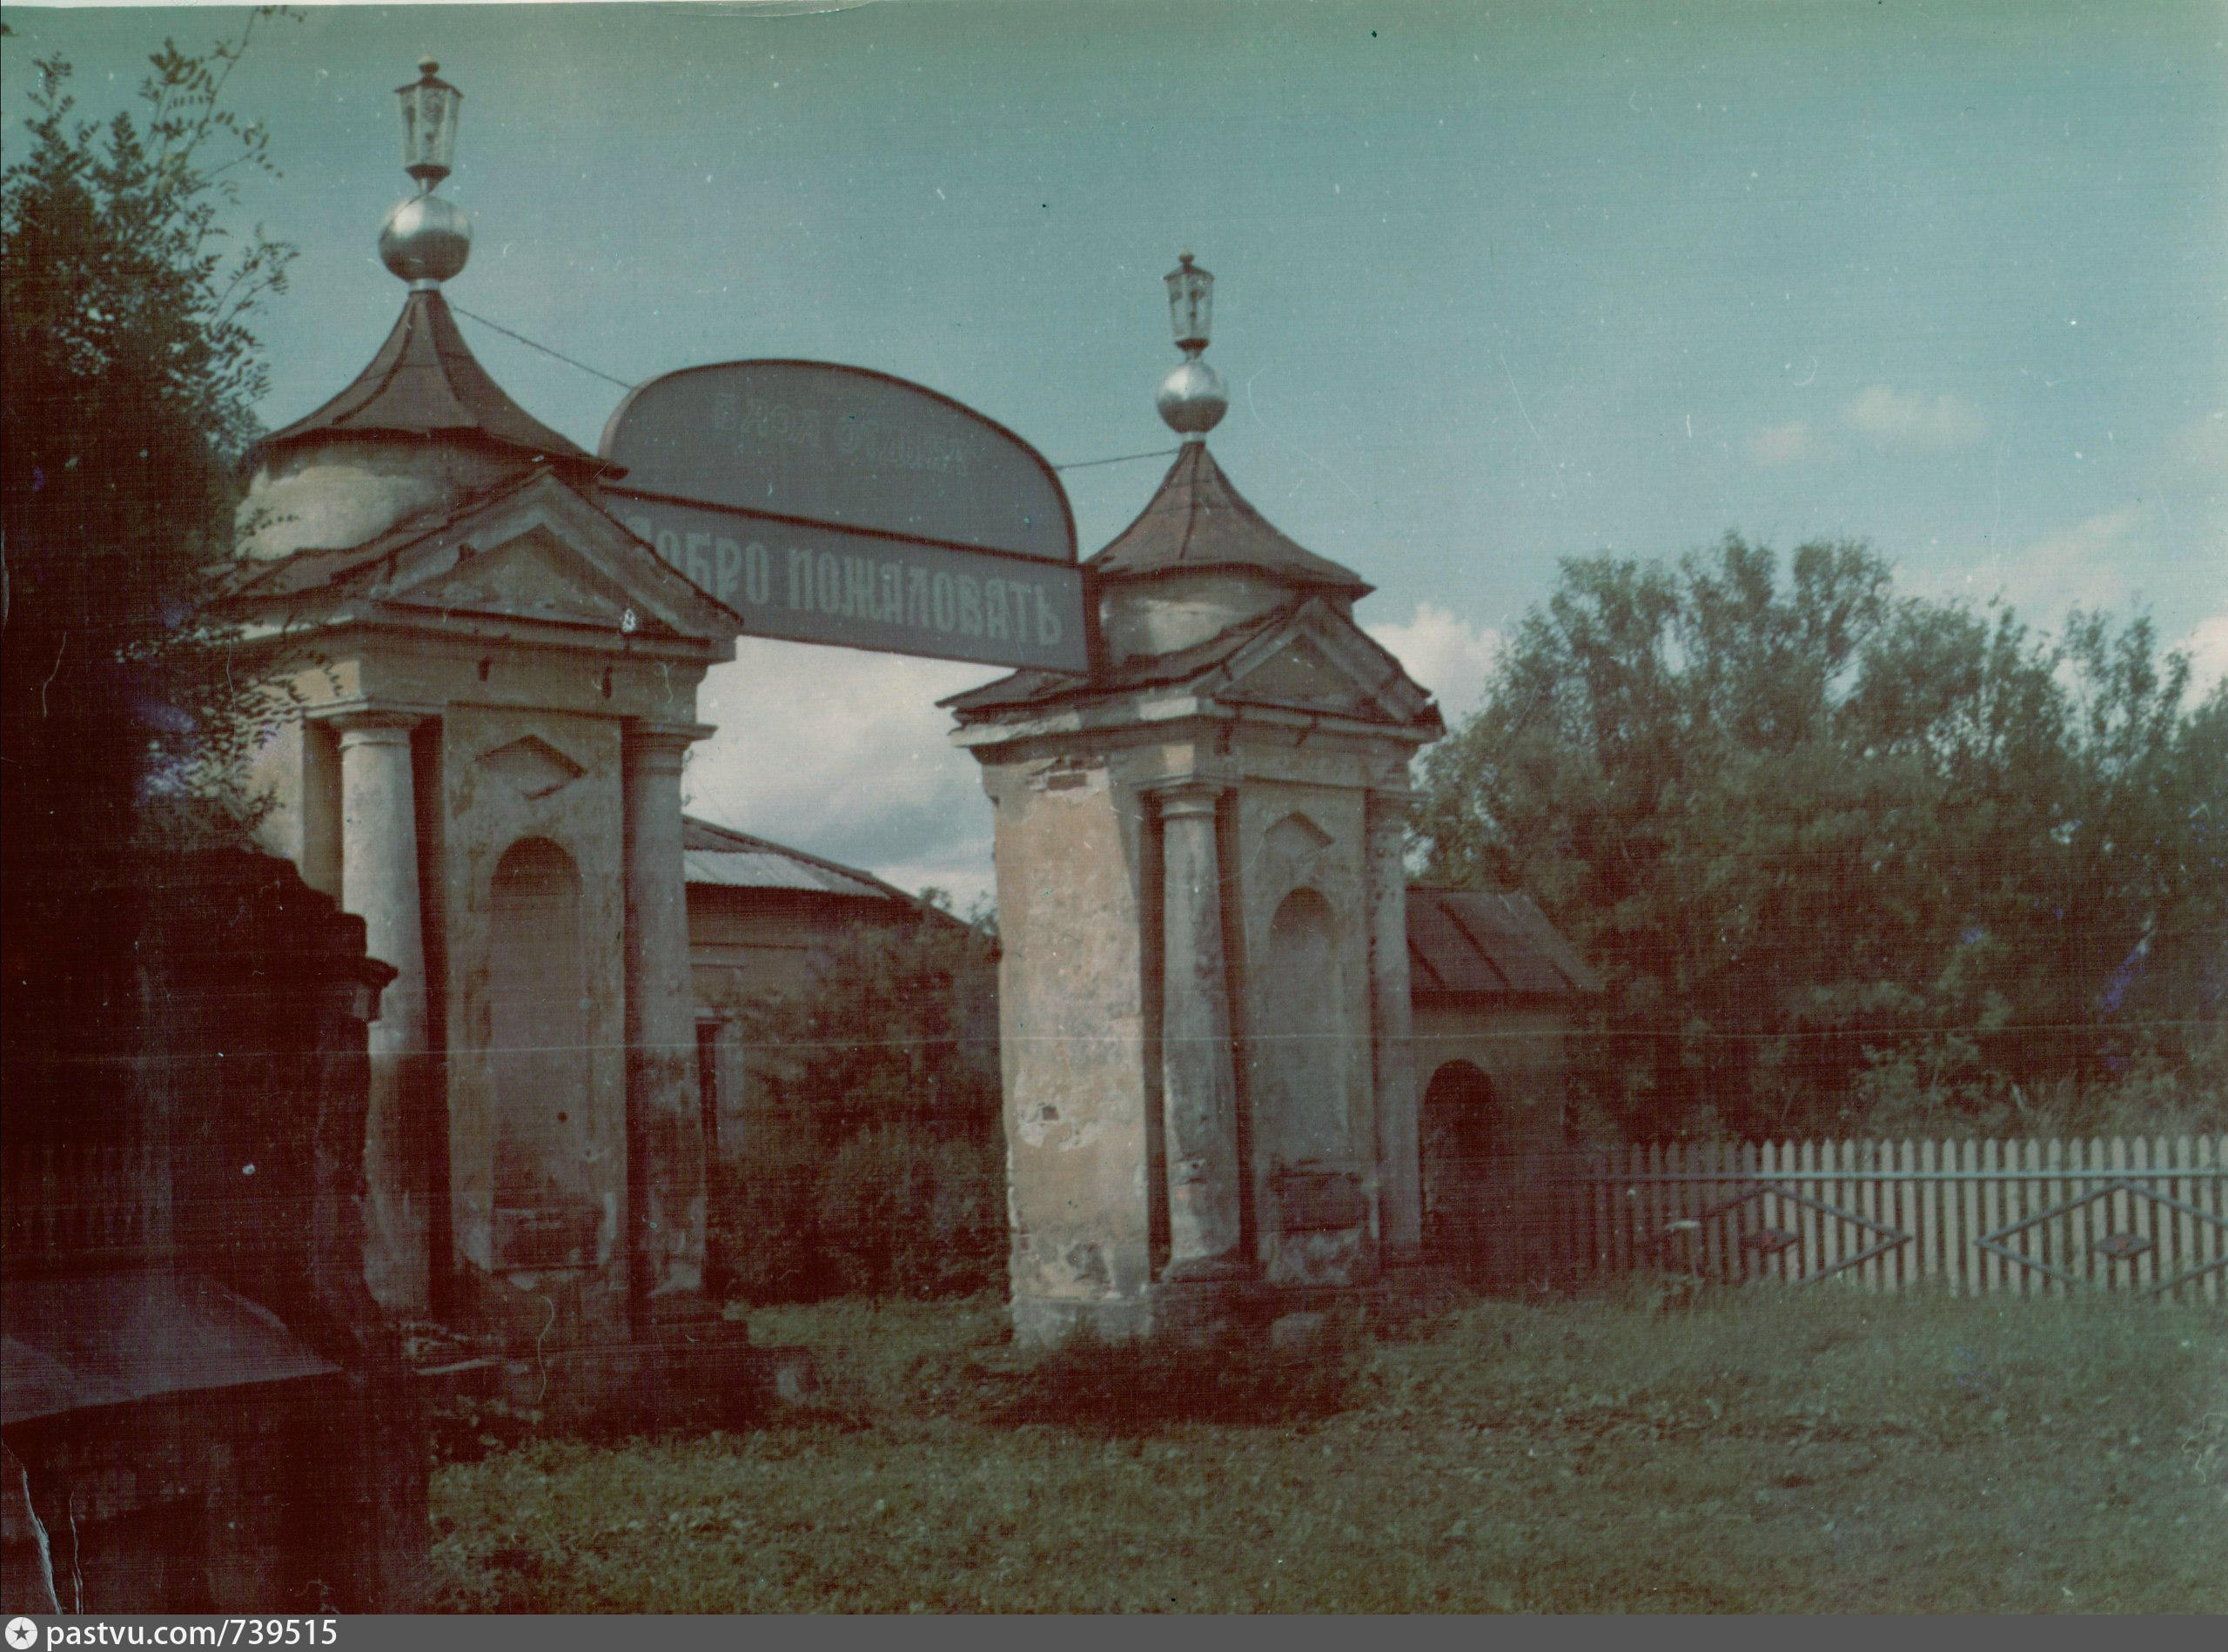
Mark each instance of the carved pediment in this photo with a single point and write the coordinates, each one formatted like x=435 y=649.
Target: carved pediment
x=1320 y=662
x=542 y=553
x=533 y=577
x=532 y=765
x=1300 y=674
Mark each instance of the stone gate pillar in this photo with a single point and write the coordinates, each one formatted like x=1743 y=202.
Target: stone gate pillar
x=379 y=884
x=1399 y=1162
x=1198 y=1081
x=1210 y=1097
x=666 y=1146
x=1204 y=941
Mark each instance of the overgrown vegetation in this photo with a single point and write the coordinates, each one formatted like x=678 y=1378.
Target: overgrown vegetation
x=1816 y=1450
x=1848 y=857
x=128 y=380
x=875 y=1161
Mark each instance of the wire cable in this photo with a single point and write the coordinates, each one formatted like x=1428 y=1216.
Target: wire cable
x=532 y=344
x=1124 y=459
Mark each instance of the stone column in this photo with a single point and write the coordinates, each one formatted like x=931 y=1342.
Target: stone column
x=1199 y=1076
x=1399 y=1176
x=379 y=884
x=665 y=1132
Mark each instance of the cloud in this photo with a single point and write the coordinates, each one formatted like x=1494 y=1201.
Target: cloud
x=1779 y=444
x=1888 y=416
x=2207 y=646
x=2199 y=451
x=2087 y=564
x=846 y=755
x=1443 y=654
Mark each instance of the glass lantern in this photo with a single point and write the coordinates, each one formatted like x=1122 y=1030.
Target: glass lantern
x=429 y=113
x=1190 y=305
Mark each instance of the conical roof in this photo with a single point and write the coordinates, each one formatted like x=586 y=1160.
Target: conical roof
x=1197 y=522
x=426 y=382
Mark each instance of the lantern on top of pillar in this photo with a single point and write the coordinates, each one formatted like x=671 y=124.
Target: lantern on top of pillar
x=430 y=107
x=1193 y=397
x=427 y=238
x=1191 y=304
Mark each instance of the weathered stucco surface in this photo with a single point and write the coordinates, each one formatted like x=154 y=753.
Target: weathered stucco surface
x=1492 y=1086
x=1180 y=612
x=345 y=491
x=1070 y=1025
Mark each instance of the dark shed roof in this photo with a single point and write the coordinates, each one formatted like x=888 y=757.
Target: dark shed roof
x=425 y=381
x=1477 y=943
x=112 y=1338
x=1197 y=521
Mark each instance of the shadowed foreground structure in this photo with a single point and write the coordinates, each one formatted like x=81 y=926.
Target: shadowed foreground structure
x=204 y=1408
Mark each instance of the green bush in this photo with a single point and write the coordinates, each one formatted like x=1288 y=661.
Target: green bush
x=1937 y=1088
x=892 y=1212
x=873 y=1161
x=763 y=1242
x=904 y=1214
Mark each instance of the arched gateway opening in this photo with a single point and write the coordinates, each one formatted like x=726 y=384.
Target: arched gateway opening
x=1458 y=1148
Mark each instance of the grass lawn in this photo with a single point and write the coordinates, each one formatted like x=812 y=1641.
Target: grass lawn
x=1812 y=1451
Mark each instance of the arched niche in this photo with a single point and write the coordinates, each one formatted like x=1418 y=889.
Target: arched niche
x=1300 y=1058
x=537 y=1054
x=1460 y=1152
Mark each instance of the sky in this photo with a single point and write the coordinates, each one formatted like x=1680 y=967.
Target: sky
x=1496 y=285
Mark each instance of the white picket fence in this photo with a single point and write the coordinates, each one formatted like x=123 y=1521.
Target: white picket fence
x=2028 y=1217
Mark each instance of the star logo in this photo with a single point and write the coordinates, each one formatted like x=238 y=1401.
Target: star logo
x=21 y=1633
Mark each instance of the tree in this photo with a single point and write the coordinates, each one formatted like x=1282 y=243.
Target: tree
x=1809 y=830
x=874 y=1160
x=898 y=1025
x=128 y=379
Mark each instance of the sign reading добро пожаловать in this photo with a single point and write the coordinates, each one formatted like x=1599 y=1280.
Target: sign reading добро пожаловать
x=813 y=583
x=831 y=504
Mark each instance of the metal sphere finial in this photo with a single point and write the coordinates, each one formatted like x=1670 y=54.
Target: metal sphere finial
x=1192 y=398
x=427 y=66
x=425 y=237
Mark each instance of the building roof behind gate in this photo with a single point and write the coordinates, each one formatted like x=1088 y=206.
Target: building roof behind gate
x=1485 y=943
x=719 y=858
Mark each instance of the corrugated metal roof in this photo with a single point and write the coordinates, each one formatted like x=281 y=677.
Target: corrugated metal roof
x=75 y=1342
x=765 y=868
x=719 y=858
x=1482 y=943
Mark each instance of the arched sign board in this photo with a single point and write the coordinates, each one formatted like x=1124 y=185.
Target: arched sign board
x=831 y=504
